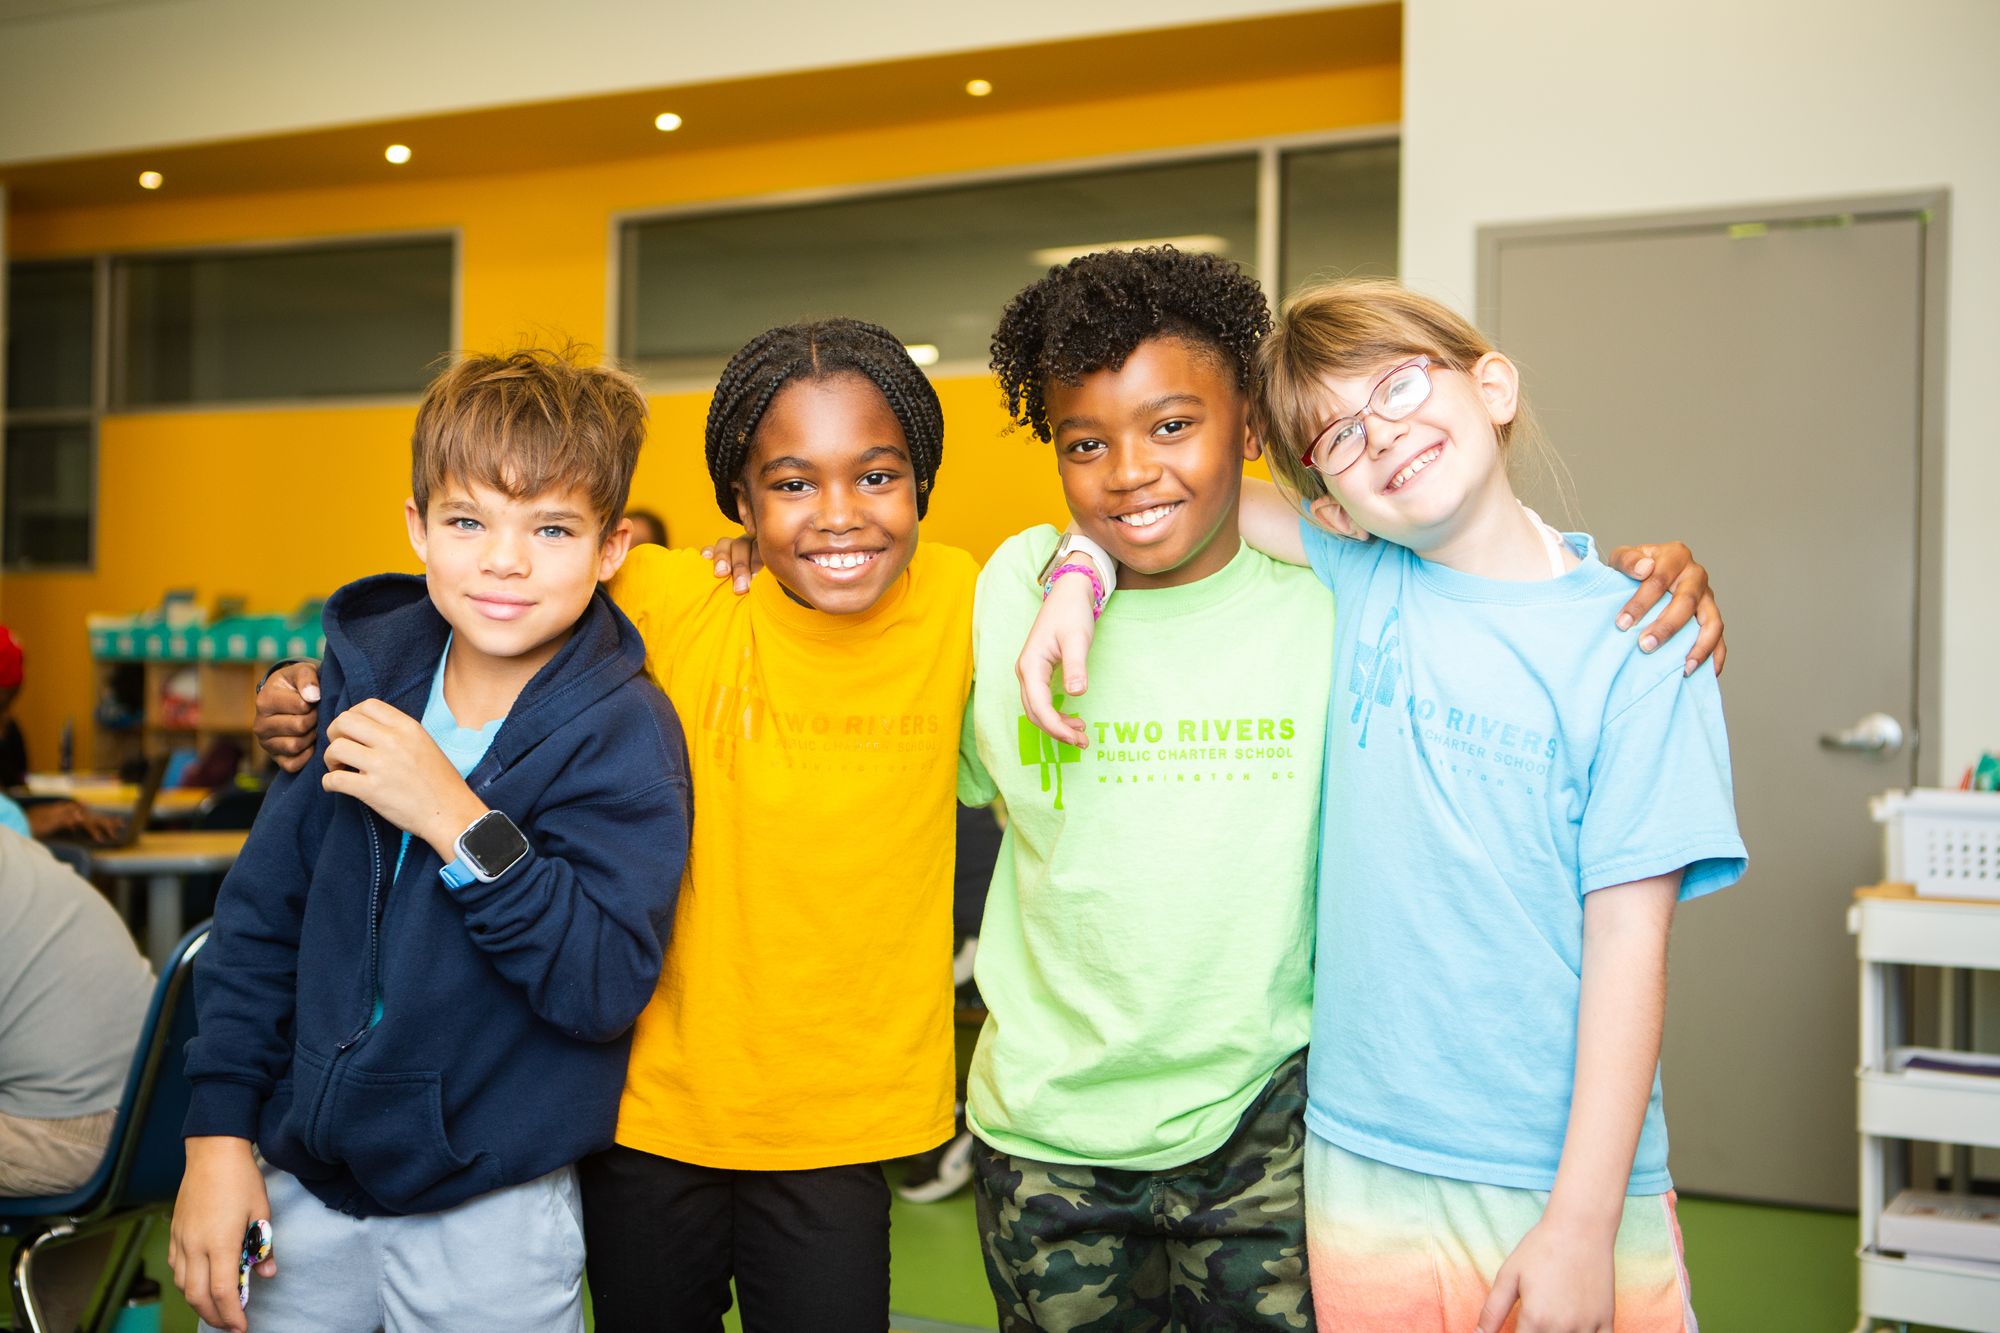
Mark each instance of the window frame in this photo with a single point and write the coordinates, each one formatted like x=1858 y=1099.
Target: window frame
x=107 y=350
x=113 y=312
x=90 y=415
x=1269 y=152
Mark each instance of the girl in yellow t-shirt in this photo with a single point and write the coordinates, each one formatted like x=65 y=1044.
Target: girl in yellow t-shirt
x=801 y=1032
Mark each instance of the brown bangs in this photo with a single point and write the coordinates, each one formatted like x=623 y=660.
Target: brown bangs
x=530 y=422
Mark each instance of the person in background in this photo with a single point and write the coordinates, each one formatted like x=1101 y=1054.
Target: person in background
x=73 y=993
x=35 y=817
x=13 y=751
x=648 y=528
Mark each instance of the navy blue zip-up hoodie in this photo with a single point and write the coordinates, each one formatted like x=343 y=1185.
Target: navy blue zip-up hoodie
x=507 y=1007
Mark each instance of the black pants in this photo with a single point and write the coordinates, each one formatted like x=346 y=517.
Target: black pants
x=808 y=1249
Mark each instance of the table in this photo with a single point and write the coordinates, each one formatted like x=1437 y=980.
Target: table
x=166 y=859
x=108 y=796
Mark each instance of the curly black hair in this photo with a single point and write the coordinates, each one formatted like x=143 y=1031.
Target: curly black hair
x=1093 y=312
x=814 y=351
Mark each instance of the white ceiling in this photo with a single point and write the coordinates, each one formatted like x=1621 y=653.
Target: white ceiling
x=85 y=77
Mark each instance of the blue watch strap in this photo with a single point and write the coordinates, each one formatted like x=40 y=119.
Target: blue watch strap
x=458 y=874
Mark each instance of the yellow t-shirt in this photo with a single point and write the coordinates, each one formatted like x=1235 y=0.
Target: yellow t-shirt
x=803 y=1018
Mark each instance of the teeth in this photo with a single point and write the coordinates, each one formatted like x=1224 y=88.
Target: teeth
x=1417 y=464
x=843 y=559
x=1146 y=518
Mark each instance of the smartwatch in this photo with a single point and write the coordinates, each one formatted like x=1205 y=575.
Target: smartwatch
x=486 y=851
x=1075 y=543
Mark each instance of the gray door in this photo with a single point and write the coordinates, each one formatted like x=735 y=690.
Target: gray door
x=1756 y=392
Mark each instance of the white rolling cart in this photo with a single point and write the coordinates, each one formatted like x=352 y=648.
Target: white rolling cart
x=1895 y=929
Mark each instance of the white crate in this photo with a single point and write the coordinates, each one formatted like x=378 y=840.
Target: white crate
x=1946 y=843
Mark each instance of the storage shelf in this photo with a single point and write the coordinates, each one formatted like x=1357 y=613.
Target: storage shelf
x=1926 y=932
x=1951 y=1293
x=1905 y=1106
x=1894 y=930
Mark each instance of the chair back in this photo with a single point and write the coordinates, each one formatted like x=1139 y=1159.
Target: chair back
x=144 y=1159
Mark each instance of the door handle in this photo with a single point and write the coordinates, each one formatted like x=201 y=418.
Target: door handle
x=1877 y=733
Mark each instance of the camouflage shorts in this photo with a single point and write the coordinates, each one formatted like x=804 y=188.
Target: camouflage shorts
x=1218 y=1244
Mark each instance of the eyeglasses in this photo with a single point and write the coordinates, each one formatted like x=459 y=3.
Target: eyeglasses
x=1397 y=394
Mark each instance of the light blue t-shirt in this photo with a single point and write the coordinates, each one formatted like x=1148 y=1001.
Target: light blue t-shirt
x=464 y=746
x=14 y=817
x=1495 y=751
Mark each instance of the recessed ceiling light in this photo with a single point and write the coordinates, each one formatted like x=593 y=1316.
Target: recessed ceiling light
x=667 y=122
x=397 y=153
x=1062 y=254
x=924 y=354
x=978 y=87
x=151 y=180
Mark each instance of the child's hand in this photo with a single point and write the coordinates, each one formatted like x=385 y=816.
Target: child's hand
x=287 y=722
x=735 y=557
x=222 y=1193
x=381 y=755
x=1664 y=568
x=1060 y=636
x=1561 y=1276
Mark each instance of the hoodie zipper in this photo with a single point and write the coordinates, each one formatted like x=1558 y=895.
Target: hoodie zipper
x=377 y=893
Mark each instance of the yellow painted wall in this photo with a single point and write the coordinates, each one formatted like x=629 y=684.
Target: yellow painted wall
x=282 y=505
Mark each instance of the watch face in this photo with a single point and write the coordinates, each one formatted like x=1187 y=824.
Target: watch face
x=493 y=844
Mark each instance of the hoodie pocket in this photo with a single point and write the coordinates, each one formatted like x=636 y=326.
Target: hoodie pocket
x=388 y=1129
x=284 y=1129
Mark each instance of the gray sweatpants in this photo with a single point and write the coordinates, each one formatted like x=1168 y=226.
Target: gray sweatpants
x=512 y=1259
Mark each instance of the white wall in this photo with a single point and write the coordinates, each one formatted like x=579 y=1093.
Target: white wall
x=81 y=79
x=1532 y=110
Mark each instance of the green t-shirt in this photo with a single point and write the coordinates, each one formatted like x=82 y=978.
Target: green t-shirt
x=1146 y=953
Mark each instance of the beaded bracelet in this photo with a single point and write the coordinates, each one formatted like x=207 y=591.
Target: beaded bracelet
x=1098 y=596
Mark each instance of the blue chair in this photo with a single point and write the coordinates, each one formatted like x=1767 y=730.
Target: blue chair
x=141 y=1171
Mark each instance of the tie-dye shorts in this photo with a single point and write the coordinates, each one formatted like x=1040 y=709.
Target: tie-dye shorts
x=1395 y=1251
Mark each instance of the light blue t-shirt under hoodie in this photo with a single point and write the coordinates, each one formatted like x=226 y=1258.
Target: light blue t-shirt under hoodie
x=1495 y=751
x=464 y=746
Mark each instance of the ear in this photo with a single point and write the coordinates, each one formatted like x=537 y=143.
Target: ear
x=413 y=518
x=745 y=515
x=1331 y=515
x=1499 y=385
x=1253 y=448
x=617 y=544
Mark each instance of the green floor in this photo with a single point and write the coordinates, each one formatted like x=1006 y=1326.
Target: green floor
x=1755 y=1269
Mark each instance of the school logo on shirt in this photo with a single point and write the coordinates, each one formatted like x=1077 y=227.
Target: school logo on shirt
x=1377 y=670
x=1137 y=751
x=1039 y=749
x=1461 y=737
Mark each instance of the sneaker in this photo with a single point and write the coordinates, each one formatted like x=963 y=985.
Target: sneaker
x=940 y=1173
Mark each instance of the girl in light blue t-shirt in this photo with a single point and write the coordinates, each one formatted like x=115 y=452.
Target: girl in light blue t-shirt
x=1497 y=872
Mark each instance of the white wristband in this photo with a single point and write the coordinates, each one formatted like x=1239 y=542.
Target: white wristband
x=1075 y=543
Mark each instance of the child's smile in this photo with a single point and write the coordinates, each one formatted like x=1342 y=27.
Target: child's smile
x=1149 y=516
x=1412 y=469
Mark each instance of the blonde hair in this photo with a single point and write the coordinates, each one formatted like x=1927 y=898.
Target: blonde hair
x=1352 y=327
x=528 y=422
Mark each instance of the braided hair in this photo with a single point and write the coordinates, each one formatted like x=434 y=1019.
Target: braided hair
x=1092 y=313
x=819 y=350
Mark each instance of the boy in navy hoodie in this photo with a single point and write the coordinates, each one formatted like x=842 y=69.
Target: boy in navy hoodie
x=418 y=992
